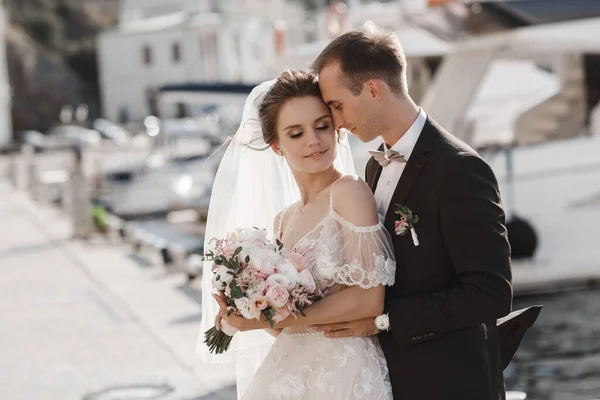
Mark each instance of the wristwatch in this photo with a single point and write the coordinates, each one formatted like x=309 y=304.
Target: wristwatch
x=382 y=322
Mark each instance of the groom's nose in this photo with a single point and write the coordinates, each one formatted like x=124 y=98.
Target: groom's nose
x=338 y=122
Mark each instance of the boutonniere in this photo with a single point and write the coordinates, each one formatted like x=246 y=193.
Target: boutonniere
x=406 y=223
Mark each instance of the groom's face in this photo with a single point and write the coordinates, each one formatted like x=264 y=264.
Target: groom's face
x=349 y=111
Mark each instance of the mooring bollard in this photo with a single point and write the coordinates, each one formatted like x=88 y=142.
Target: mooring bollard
x=78 y=205
x=13 y=171
x=28 y=168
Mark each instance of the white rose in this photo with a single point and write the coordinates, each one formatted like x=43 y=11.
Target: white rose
x=245 y=307
x=264 y=263
x=307 y=280
x=252 y=235
x=217 y=283
x=277 y=280
x=290 y=272
x=253 y=245
x=221 y=278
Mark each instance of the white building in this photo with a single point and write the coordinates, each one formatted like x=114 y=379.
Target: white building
x=419 y=45
x=160 y=42
x=5 y=107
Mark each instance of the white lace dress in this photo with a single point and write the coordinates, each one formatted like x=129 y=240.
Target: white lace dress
x=304 y=364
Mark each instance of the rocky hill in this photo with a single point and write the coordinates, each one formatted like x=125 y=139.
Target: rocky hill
x=52 y=56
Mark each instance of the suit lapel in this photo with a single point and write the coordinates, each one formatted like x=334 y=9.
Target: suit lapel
x=416 y=163
x=377 y=172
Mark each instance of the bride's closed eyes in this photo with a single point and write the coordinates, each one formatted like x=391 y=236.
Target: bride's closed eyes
x=296 y=135
x=323 y=124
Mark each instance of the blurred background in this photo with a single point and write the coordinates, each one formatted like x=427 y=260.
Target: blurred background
x=113 y=114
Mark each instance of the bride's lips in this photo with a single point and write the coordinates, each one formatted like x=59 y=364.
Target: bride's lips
x=316 y=154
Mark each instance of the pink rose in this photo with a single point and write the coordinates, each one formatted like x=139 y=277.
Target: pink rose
x=232 y=236
x=277 y=296
x=228 y=249
x=307 y=281
x=298 y=261
x=253 y=274
x=400 y=227
x=281 y=314
x=259 y=302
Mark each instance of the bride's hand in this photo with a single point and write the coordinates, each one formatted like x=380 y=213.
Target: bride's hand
x=242 y=324
x=234 y=319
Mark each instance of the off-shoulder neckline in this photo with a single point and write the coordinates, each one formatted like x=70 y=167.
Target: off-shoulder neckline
x=343 y=221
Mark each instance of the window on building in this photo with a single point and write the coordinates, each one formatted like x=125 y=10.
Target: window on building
x=211 y=56
x=147 y=55
x=123 y=115
x=176 y=52
x=201 y=65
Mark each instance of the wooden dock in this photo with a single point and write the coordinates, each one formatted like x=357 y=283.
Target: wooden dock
x=534 y=278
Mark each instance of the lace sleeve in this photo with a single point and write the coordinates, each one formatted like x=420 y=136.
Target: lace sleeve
x=367 y=256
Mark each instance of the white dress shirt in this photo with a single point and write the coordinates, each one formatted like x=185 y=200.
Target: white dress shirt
x=390 y=175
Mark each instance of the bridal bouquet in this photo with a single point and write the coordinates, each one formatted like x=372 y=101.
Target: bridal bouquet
x=258 y=278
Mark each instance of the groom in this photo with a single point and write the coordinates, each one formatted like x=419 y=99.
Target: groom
x=453 y=274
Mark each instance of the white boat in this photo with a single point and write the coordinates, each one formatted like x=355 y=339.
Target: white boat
x=5 y=90
x=538 y=135
x=159 y=184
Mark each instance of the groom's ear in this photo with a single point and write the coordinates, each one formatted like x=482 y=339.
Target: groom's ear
x=374 y=87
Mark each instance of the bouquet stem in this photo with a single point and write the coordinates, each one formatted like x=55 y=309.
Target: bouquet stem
x=217 y=341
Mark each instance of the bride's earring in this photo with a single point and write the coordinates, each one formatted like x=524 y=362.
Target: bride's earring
x=280 y=152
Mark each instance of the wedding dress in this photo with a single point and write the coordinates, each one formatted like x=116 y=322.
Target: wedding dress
x=251 y=188
x=304 y=364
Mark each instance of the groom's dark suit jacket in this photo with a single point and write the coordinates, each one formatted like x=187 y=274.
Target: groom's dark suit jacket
x=449 y=291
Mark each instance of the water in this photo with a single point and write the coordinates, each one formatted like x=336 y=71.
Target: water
x=559 y=358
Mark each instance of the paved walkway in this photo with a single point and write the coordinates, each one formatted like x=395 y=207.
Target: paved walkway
x=90 y=321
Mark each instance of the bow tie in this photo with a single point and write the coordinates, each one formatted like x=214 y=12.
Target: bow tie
x=384 y=158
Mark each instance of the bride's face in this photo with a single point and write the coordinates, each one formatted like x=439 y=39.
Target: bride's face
x=305 y=135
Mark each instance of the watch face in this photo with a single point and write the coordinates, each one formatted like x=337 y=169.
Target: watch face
x=382 y=322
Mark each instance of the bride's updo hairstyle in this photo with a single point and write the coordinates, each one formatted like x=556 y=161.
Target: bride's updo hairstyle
x=289 y=84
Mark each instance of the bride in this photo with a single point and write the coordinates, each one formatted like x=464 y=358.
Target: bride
x=293 y=168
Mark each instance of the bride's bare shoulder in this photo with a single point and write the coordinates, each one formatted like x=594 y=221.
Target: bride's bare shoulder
x=352 y=198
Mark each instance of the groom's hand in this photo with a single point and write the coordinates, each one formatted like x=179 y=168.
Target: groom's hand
x=361 y=327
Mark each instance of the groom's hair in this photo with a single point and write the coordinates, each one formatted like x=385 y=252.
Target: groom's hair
x=366 y=53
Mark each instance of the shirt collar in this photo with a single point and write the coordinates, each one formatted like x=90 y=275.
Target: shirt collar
x=407 y=142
